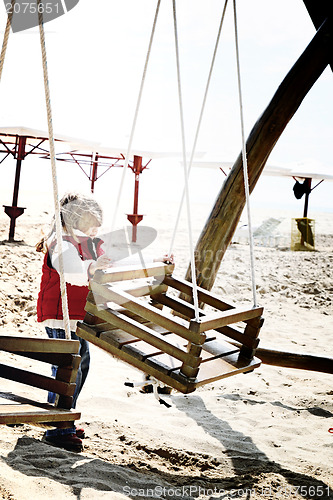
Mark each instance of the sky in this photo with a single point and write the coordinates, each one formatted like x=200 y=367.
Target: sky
x=96 y=54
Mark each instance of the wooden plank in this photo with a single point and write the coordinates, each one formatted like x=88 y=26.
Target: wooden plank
x=152 y=289
x=217 y=349
x=94 y=320
x=114 y=294
x=224 y=367
x=235 y=333
x=301 y=361
x=141 y=349
x=178 y=305
x=149 y=366
x=12 y=343
x=224 y=318
x=171 y=364
x=132 y=272
x=117 y=337
x=53 y=358
x=15 y=409
x=187 y=310
x=140 y=331
x=205 y=296
x=36 y=380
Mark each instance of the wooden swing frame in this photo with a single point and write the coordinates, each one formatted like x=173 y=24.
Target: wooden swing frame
x=16 y=409
x=180 y=352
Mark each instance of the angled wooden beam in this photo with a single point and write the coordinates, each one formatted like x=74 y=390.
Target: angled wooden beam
x=287 y=359
x=222 y=222
x=319 y=10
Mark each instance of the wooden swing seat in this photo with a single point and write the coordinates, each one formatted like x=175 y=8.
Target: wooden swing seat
x=15 y=409
x=168 y=345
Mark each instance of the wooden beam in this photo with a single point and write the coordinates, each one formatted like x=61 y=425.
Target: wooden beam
x=287 y=359
x=133 y=272
x=222 y=222
x=319 y=10
x=224 y=318
x=12 y=343
x=36 y=380
x=15 y=409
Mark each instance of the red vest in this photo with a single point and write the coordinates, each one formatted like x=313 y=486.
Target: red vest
x=49 y=297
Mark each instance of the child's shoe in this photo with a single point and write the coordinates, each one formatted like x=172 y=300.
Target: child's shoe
x=69 y=442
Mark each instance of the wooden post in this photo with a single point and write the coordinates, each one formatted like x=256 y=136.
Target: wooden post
x=222 y=222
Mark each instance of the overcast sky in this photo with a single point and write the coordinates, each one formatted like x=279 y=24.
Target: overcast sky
x=96 y=54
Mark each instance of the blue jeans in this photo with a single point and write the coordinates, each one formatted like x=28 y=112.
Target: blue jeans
x=59 y=333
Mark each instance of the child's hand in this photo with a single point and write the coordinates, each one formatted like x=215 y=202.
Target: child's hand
x=166 y=258
x=103 y=262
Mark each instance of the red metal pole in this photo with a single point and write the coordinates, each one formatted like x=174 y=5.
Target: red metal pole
x=94 y=173
x=14 y=211
x=135 y=218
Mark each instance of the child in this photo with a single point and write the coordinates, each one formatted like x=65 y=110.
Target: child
x=81 y=217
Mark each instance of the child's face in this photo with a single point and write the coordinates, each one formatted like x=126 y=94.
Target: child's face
x=89 y=226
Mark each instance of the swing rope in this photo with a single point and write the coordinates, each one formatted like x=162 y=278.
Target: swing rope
x=187 y=194
x=199 y=125
x=129 y=148
x=6 y=37
x=245 y=169
x=58 y=224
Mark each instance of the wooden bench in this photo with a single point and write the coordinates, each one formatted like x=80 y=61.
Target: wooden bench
x=16 y=409
x=169 y=344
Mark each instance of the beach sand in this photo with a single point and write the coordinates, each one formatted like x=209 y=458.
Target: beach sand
x=259 y=435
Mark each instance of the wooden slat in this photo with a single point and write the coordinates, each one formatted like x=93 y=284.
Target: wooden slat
x=235 y=333
x=178 y=305
x=12 y=343
x=217 y=349
x=149 y=366
x=171 y=363
x=224 y=318
x=138 y=330
x=204 y=295
x=15 y=409
x=114 y=294
x=54 y=358
x=141 y=349
x=132 y=272
x=153 y=289
x=187 y=310
x=117 y=337
x=224 y=367
x=36 y=380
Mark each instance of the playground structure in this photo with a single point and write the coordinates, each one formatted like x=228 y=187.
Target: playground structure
x=201 y=350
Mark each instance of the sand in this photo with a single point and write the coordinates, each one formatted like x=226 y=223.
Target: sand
x=260 y=435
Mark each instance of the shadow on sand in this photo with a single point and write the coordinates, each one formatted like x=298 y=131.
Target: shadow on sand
x=242 y=471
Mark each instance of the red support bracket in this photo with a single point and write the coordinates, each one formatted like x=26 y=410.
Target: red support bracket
x=135 y=218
